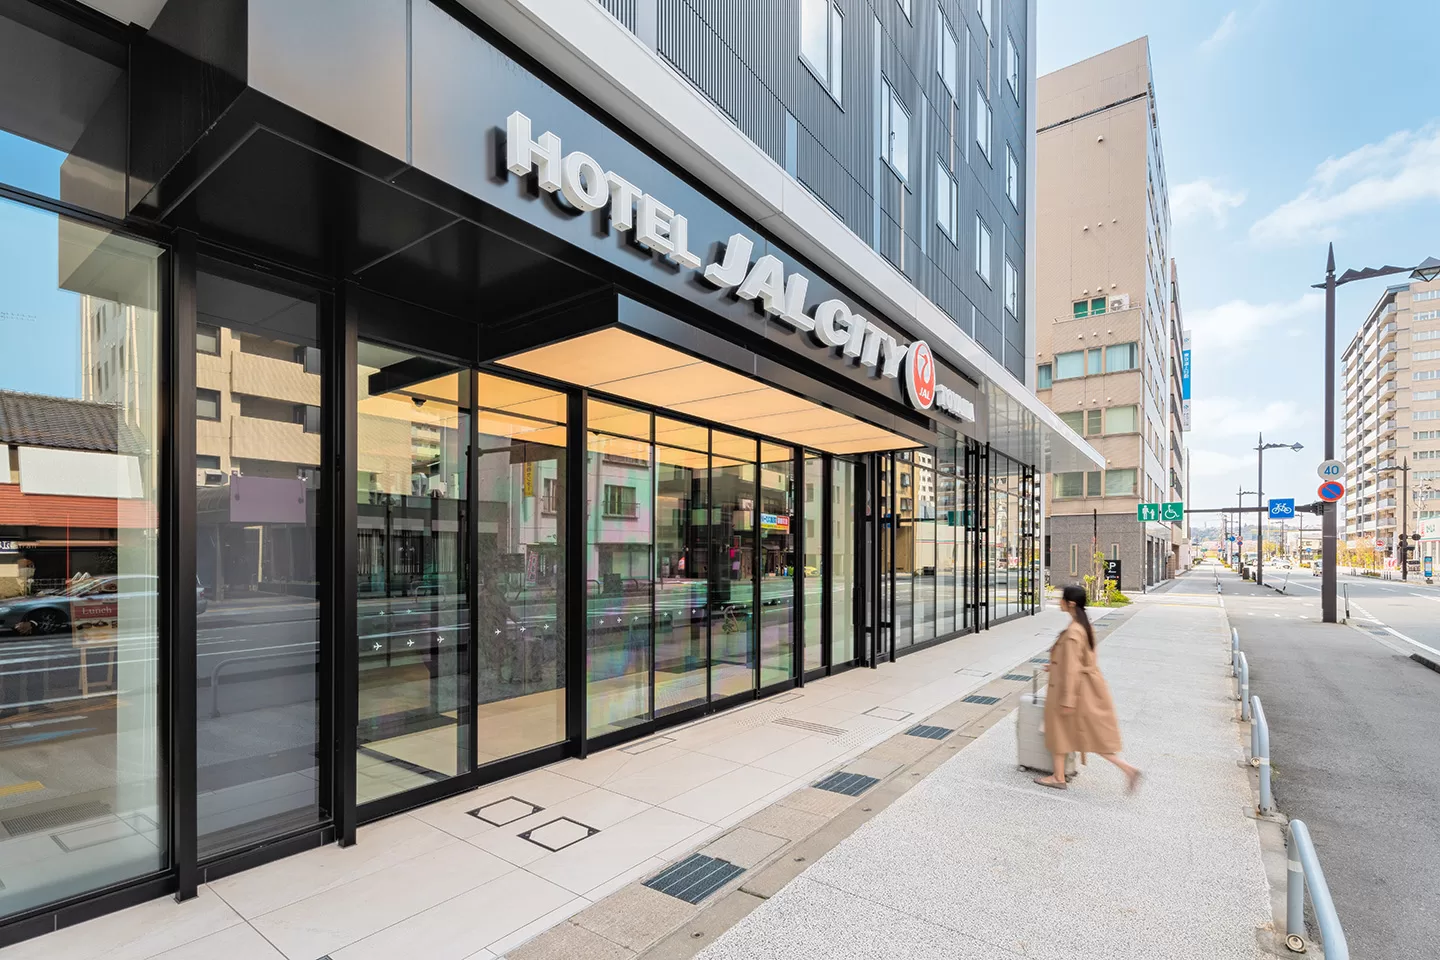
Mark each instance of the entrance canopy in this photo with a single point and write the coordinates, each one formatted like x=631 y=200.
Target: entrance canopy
x=617 y=362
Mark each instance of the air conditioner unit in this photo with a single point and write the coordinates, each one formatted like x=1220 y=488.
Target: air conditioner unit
x=209 y=478
x=1121 y=301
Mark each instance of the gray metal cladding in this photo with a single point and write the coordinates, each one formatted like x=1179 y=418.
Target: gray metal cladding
x=744 y=56
x=622 y=10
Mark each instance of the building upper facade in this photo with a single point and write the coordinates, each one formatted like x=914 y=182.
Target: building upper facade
x=1392 y=415
x=1109 y=336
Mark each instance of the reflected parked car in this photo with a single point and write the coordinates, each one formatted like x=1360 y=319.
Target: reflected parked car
x=93 y=601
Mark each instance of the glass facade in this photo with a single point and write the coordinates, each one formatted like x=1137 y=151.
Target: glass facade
x=82 y=799
x=258 y=486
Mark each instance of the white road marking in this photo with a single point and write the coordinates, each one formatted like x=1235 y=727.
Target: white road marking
x=1423 y=596
x=1417 y=643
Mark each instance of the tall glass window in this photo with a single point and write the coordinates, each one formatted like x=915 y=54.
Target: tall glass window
x=412 y=571
x=81 y=791
x=777 y=563
x=843 y=489
x=257 y=521
x=520 y=533
x=926 y=599
x=682 y=569
x=947 y=518
x=732 y=582
x=905 y=549
x=814 y=560
x=619 y=499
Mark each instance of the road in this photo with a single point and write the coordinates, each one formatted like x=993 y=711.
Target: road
x=1353 y=741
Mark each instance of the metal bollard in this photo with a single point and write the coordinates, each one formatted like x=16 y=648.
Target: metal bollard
x=1244 y=688
x=1234 y=652
x=1260 y=749
x=1302 y=861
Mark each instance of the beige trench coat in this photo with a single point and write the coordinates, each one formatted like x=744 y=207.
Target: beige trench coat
x=1079 y=714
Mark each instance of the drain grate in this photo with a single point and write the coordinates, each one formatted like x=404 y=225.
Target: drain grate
x=694 y=878
x=812 y=727
x=1039 y=659
x=848 y=784
x=1018 y=676
x=978 y=698
x=929 y=732
x=54 y=819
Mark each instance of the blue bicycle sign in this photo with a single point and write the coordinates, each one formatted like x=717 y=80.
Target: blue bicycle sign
x=1282 y=509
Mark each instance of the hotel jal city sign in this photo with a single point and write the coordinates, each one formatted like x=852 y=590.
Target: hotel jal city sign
x=586 y=185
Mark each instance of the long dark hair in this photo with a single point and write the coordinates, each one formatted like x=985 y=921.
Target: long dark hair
x=1076 y=597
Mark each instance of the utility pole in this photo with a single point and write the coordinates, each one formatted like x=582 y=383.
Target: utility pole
x=1405 y=520
x=1260 y=517
x=1328 y=582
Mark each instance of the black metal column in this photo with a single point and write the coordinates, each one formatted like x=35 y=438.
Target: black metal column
x=345 y=678
x=178 y=505
x=827 y=557
x=797 y=568
x=576 y=482
x=470 y=529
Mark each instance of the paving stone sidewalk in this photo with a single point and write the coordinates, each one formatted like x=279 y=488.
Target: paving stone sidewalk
x=977 y=861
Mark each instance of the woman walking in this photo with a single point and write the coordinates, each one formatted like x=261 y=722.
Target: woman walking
x=1079 y=714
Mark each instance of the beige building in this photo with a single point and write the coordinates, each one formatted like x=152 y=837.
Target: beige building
x=1392 y=418
x=1109 y=332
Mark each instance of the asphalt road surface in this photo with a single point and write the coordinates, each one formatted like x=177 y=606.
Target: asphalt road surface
x=1354 y=744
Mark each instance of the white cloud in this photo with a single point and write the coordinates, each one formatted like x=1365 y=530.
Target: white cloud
x=1222 y=33
x=1207 y=463
x=1219 y=329
x=1189 y=200
x=1400 y=170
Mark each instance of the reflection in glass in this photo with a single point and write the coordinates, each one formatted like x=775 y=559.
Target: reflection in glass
x=732 y=584
x=520 y=539
x=814 y=566
x=946 y=518
x=842 y=561
x=256 y=533
x=619 y=498
x=905 y=549
x=80 y=783
x=412 y=570
x=924 y=538
x=777 y=563
x=681 y=577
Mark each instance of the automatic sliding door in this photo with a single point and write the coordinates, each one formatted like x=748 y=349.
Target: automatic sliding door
x=732 y=580
x=412 y=571
x=681 y=575
x=777 y=564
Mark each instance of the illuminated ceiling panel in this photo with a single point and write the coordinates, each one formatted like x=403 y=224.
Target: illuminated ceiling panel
x=622 y=364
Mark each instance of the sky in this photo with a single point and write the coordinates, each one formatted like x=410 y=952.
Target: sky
x=1285 y=125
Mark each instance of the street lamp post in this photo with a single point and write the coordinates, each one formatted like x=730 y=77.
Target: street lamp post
x=1240 y=495
x=1260 y=448
x=1426 y=271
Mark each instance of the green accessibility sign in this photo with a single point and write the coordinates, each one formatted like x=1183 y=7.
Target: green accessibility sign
x=1160 y=512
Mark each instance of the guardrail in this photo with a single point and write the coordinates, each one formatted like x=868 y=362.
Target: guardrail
x=1260 y=750
x=215 y=674
x=1303 y=864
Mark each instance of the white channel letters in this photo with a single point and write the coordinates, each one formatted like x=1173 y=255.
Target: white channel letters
x=586 y=185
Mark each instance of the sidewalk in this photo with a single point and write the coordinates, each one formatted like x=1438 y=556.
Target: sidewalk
x=976 y=861
x=461 y=880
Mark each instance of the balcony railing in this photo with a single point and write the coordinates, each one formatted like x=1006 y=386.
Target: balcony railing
x=260 y=376
x=252 y=438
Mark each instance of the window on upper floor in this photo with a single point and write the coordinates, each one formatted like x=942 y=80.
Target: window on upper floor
x=982 y=121
x=1012 y=288
x=905 y=8
x=821 y=31
x=1122 y=356
x=1120 y=483
x=1012 y=177
x=1012 y=67
x=982 y=250
x=1069 y=365
x=1093 y=360
x=946 y=197
x=1124 y=419
x=982 y=7
x=895 y=132
x=1044 y=378
x=207 y=339
x=947 y=55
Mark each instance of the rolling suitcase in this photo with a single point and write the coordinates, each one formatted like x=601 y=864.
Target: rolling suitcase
x=1030 y=733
